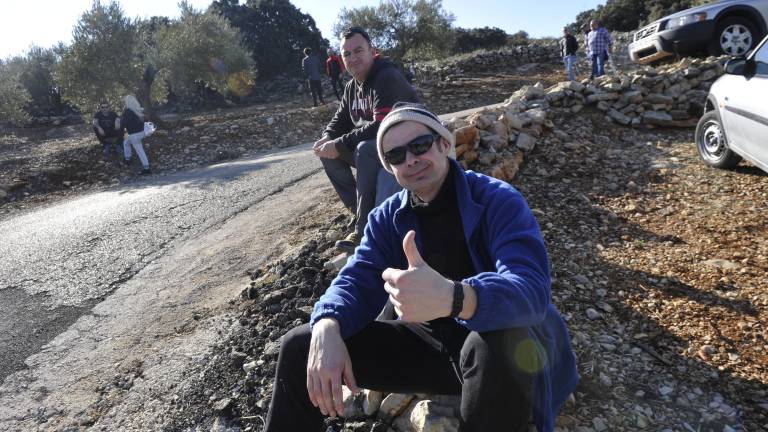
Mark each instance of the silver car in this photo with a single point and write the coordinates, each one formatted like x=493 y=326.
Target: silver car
x=735 y=120
x=730 y=27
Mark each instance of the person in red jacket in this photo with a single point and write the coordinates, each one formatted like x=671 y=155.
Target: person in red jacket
x=334 y=67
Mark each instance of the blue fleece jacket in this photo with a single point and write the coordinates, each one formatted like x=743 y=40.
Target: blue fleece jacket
x=512 y=278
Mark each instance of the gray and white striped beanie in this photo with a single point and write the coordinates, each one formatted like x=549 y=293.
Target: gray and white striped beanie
x=417 y=113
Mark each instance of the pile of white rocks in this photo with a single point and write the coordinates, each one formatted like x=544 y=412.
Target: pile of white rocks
x=672 y=96
x=495 y=139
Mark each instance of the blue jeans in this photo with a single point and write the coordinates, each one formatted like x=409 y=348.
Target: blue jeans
x=598 y=65
x=570 y=62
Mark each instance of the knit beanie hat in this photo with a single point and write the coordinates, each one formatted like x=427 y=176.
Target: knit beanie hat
x=417 y=113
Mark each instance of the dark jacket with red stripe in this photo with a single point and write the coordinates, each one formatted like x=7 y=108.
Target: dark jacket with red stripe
x=363 y=107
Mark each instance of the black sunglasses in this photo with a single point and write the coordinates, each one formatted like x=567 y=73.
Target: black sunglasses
x=417 y=146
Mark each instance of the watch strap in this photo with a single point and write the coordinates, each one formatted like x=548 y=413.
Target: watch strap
x=458 y=299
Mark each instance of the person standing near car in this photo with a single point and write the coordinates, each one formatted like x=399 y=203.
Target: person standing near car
x=106 y=125
x=600 y=45
x=311 y=67
x=133 y=121
x=349 y=140
x=334 y=67
x=568 y=48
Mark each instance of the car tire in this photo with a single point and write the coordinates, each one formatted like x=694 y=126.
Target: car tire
x=712 y=144
x=735 y=36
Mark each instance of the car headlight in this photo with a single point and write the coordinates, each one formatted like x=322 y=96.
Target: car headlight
x=685 y=20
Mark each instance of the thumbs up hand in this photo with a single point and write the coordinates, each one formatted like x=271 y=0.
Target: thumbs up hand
x=418 y=293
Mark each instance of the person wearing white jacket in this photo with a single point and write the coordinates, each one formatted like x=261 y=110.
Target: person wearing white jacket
x=133 y=121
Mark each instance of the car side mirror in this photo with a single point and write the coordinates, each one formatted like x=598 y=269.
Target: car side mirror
x=736 y=66
x=741 y=66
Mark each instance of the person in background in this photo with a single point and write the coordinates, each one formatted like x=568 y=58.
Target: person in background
x=460 y=257
x=311 y=67
x=568 y=48
x=599 y=45
x=334 y=67
x=349 y=140
x=133 y=122
x=106 y=125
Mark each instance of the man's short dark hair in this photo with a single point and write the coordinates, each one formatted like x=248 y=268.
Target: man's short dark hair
x=307 y=51
x=348 y=33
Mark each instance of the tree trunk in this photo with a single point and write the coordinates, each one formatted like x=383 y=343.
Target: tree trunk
x=146 y=100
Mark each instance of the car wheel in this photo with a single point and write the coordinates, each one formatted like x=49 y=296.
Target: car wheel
x=711 y=143
x=735 y=36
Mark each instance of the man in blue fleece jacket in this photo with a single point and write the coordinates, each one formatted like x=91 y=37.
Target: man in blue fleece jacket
x=461 y=259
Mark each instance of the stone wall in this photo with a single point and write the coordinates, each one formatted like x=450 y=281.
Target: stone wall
x=482 y=61
x=495 y=140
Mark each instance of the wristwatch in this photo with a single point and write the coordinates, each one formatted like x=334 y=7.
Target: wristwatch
x=458 y=299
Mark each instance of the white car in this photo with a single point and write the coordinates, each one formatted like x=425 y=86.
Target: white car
x=735 y=120
x=730 y=27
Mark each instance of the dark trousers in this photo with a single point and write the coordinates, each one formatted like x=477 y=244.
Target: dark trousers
x=360 y=194
x=110 y=141
x=336 y=82
x=316 y=87
x=440 y=357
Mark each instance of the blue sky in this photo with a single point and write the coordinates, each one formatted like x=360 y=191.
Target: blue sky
x=538 y=18
x=46 y=22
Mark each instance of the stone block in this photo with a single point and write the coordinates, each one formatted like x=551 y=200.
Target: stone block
x=525 y=142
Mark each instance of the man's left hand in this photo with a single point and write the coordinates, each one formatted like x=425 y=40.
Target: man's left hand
x=419 y=293
x=327 y=150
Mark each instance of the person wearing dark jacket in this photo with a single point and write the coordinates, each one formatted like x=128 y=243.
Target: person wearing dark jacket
x=334 y=67
x=133 y=122
x=311 y=67
x=460 y=257
x=106 y=125
x=349 y=140
x=568 y=48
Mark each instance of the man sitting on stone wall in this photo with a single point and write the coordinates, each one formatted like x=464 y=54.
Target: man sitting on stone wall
x=349 y=139
x=460 y=257
x=106 y=126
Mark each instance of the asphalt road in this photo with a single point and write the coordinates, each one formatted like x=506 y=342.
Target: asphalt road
x=57 y=262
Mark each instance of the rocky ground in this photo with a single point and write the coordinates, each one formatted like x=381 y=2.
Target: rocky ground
x=659 y=265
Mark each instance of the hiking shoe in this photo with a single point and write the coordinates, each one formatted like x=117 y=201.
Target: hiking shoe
x=348 y=243
x=146 y=171
x=126 y=162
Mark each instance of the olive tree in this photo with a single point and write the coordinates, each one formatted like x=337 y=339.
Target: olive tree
x=202 y=48
x=14 y=98
x=112 y=55
x=405 y=29
x=102 y=62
